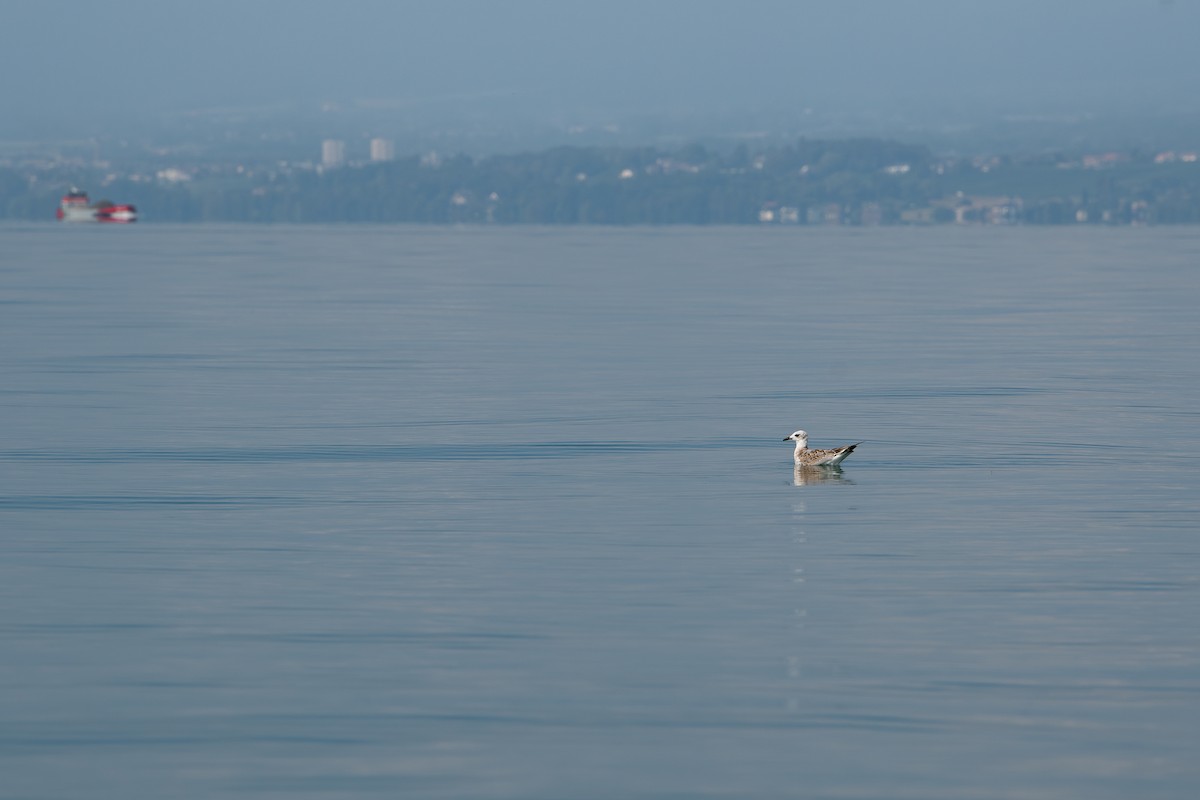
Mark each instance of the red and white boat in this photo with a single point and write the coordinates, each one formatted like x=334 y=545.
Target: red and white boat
x=75 y=207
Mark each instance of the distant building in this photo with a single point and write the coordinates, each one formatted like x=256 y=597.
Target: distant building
x=173 y=175
x=871 y=214
x=1103 y=160
x=987 y=210
x=826 y=214
x=333 y=153
x=383 y=150
x=1170 y=156
x=771 y=211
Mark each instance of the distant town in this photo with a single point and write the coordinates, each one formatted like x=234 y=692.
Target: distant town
x=856 y=182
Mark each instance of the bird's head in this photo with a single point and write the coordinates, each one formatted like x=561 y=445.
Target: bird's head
x=799 y=437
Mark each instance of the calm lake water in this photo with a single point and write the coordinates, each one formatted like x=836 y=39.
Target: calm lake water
x=380 y=512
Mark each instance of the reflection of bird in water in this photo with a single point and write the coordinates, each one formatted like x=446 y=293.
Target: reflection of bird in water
x=807 y=476
x=818 y=458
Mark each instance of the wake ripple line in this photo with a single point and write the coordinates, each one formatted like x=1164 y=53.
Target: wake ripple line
x=368 y=453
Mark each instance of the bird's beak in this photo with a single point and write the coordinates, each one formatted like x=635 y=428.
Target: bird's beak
x=787 y=438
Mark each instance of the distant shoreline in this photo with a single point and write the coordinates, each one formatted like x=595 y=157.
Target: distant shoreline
x=814 y=183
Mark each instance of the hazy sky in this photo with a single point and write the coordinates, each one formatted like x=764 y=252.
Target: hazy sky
x=81 y=58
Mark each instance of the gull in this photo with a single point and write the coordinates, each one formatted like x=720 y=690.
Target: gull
x=818 y=458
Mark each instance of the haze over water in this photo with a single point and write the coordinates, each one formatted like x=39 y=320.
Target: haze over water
x=685 y=66
x=504 y=513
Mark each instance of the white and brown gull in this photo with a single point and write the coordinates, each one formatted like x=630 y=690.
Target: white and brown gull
x=818 y=458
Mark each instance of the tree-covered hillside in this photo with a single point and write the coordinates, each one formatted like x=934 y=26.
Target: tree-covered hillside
x=808 y=182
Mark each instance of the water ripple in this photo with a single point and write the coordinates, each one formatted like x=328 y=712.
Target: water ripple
x=59 y=502
x=359 y=453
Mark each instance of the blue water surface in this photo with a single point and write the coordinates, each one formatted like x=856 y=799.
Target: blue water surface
x=330 y=512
